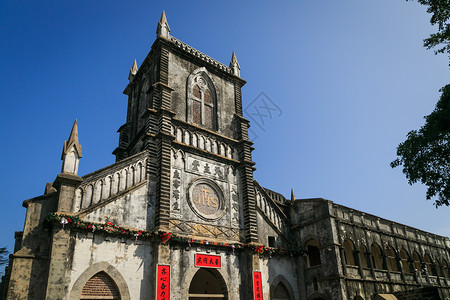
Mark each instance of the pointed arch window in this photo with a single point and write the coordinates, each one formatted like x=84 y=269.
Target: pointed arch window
x=201 y=106
x=100 y=286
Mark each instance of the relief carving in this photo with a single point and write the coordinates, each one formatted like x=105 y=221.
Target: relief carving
x=206 y=199
x=204 y=229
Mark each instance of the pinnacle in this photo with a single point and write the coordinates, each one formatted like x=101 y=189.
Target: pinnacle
x=233 y=57
x=72 y=141
x=133 y=71
x=163 y=28
x=234 y=65
x=134 y=68
x=292 y=195
x=163 y=17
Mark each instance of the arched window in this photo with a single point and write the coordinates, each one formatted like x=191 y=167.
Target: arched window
x=201 y=100
x=417 y=263
x=405 y=261
x=377 y=259
x=444 y=268
x=349 y=250
x=392 y=261
x=429 y=265
x=312 y=247
x=363 y=256
x=100 y=286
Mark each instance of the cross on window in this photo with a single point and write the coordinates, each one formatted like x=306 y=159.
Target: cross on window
x=202 y=103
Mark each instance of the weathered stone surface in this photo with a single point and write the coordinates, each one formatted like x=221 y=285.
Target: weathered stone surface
x=184 y=167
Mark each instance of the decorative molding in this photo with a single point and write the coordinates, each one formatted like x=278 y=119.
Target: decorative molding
x=201 y=55
x=201 y=229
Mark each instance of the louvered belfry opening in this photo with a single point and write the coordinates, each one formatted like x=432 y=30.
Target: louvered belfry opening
x=100 y=286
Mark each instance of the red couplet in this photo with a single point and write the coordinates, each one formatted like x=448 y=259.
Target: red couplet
x=207 y=261
x=163 y=282
x=257 y=286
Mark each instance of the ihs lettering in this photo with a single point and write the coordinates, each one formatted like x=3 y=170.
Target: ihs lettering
x=208 y=198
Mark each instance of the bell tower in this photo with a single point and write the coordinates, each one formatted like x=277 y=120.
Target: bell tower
x=185 y=109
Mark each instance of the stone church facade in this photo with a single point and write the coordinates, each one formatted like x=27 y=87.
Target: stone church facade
x=180 y=216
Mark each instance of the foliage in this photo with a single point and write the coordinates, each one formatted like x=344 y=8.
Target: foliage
x=440 y=10
x=4 y=254
x=425 y=155
x=75 y=223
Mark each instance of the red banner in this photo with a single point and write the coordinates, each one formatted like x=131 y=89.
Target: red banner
x=207 y=261
x=163 y=282
x=257 y=286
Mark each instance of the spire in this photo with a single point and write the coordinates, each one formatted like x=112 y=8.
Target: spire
x=163 y=28
x=71 y=153
x=133 y=71
x=234 y=65
x=292 y=195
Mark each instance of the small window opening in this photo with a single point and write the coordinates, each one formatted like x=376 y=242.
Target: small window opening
x=271 y=241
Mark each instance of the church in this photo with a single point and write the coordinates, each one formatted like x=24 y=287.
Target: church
x=180 y=216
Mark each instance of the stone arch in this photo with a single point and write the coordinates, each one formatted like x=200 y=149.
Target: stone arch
x=376 y=256
x=222 y=149
x=87 y=201
x=207 y=281
x=115 y=184
x=363 y=256
x=201 y=142
x=429 y=264
x=214 y=147
x=417 y=261
x=194 y=139
x=122 y=180
x=139 y=170
x=97 y=192
x=132 y=175
x=404 y=257
x=349 y=252
x=179 y=135
x=391 y=257
x=207 y=144
x=105 y=267
x=281 y=280
x=107 y=188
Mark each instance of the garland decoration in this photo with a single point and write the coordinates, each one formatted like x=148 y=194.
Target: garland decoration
x=76 y=223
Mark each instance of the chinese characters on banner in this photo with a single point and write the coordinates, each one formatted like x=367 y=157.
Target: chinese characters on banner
x=207 y=261
x=163 y=282
x=257 y=286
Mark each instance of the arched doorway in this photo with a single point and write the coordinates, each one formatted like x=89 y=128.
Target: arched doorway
x=207 y=284
x=100 y=286
x=281 y=292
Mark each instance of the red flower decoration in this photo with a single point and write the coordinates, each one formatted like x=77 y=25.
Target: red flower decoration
x=69 y=220
x=165 y=236
x=109 y=223
x=259 y=249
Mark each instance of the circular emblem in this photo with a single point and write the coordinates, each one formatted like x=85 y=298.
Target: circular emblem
x=206 y=199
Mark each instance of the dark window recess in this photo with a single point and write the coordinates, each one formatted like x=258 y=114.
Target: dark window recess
x=271 y=241
x=314 y=256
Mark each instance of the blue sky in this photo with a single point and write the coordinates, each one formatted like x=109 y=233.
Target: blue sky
x=350 y=77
